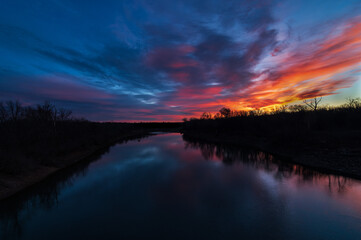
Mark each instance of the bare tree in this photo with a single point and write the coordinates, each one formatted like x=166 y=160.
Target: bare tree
x=240 y=113
x=30 y=113
x=3 y=113
x=47 y=112
x=297 y=108
x=14 y=110
x=206 y=115
x=256 y=112
x=353 y=102
x=225 y=112
x=313 y=103
x=280 y=109
x=217 y=115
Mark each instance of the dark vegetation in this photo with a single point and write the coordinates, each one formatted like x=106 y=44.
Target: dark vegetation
x=233 y=154
x=43 y=136
x=323 y=137
x=295 y=119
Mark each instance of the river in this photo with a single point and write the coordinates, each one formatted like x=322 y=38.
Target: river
x=169 y=187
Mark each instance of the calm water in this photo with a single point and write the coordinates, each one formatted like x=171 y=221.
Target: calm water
x=164 y=187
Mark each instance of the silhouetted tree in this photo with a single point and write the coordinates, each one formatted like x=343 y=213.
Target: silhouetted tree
x=14 y=110
x=297 y=108
x=313 y=103
x=256 y=112
x=353 y=102
x=3 y=113
x=46 y=111
x=206 y=115
x=280 y=109
x=240 y=113
x=217 y=115
x=64 y=114
x=225 y=112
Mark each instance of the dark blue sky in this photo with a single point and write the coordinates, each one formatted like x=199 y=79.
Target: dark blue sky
x=165 y=60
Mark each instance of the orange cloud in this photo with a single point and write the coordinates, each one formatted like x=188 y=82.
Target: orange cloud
x=308 y=70
x=317 y=69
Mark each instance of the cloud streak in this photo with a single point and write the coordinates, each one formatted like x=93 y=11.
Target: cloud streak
x=312 y=70
x=165 y=60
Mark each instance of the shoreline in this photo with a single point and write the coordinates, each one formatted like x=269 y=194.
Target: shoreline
x=329 y=161
x=10 y=185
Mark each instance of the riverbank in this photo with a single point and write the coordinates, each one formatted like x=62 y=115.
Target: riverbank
x=334 y=152
x=11 y=184
x=331 y=152
x=30 y=153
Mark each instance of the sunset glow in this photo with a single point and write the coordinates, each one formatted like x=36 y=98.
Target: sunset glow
x=164 y=61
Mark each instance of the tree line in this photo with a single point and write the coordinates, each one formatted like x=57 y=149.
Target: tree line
x=11 y=111
x=308 y=105
x=43 y=134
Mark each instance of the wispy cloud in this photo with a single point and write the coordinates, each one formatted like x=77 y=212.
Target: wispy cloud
x=319 y=68
x=165 y=60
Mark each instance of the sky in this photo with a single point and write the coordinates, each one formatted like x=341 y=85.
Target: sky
x=164 y=60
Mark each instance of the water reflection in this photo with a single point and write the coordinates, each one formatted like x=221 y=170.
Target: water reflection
x=280 y=168
x=166 y=187
x=16 y=210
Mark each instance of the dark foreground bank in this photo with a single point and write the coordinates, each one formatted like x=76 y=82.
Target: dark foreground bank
x=29 y=151
x=29 y=162
x=36 y=141
x=326 y=139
